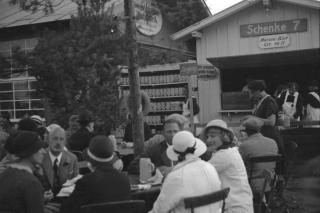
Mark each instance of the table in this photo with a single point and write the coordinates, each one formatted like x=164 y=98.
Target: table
x=148 y=195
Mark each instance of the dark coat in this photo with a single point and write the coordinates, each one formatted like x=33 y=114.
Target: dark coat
x=105 y=184
x=80 y=140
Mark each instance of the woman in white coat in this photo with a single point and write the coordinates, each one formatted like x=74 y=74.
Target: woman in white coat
x=190 y=177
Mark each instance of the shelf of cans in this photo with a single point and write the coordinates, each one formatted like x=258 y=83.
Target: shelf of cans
x=174 y=92
x=154 y=80
x=155 y=120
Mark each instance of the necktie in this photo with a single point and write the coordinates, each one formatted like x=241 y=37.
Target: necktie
x=56 y=184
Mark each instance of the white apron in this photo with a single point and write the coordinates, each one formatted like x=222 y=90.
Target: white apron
x=290 y=108
x=313 y=114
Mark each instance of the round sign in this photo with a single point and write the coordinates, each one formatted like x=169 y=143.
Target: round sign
x=148 y=17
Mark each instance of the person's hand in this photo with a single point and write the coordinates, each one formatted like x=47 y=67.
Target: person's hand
x=48 y=195
x=157 y=178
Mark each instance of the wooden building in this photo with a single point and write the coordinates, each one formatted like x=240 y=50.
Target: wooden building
x=22 y=28
x=274 y=40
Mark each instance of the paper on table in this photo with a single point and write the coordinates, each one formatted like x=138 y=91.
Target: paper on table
x=72 y=181
x=66 y=191
x=68 y=187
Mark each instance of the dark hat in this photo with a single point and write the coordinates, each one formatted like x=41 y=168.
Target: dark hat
x=100 y=151
x=27 y=124
x=85 y=118
x=26 y=143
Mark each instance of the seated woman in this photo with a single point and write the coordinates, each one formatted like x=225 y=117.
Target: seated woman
x=103 y=184
x=230 y=167
x=190 y=177
x=20 y=189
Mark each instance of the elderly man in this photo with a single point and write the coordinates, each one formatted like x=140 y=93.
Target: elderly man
x=58 y=165
x=257 y=145
x=157 y=151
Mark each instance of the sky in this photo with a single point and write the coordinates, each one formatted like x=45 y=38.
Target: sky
x=218 y=5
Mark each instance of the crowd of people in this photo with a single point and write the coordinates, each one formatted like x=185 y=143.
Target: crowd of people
x=37 y=161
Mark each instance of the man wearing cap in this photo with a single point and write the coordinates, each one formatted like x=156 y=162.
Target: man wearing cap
x=229 y=165
x=190 y=177
x=103 y=184
x=257 y=145
x=59 y=165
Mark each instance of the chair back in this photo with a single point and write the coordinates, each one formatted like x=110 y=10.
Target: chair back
x=202 y=200
x=128 y=206
x=259 y=197
x=263 y=159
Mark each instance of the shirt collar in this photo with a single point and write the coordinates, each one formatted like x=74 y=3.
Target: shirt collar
x=53 y=158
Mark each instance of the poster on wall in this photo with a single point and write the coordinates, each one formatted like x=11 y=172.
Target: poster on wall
x=148 y=17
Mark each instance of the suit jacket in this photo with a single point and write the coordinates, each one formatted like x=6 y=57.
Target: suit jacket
x=80 y=140
x=258 y=145
x=68 y=169
x=105 y=184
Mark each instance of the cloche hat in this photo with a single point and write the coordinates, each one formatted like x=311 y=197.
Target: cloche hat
x=100 y=151
x=184 y=141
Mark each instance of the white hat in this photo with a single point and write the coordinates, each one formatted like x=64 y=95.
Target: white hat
x=37 y=119
x=219 y=124
x=183 y=140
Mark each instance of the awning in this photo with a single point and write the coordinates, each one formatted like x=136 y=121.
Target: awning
x=310 y=56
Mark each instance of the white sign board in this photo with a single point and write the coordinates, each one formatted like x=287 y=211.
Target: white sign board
x=274 y=41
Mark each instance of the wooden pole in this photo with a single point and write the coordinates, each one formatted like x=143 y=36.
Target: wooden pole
x=135 y=95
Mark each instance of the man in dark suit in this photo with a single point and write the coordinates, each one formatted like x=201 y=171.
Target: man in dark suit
x=157 y=151
x=81 y=138
x=104 y=184
x=58 y=165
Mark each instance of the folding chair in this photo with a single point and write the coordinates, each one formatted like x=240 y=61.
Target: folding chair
x=266 y=175
x=128 y=206
x=202 y=200
x=259 y=196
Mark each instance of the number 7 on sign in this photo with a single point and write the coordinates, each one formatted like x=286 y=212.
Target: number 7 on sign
x=296 y=24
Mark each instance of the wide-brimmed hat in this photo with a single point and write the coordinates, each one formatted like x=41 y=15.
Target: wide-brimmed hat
x=253 y=124
x=26 y=143
x=218 y=124
x=100 y=151
x=181 y=142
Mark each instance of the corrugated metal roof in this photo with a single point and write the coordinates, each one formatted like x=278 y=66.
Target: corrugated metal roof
x=11 y=16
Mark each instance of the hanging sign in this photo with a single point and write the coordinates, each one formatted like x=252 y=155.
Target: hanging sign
x=207 y=72
x=274 y=41
x=275 y=27
x=148 y=17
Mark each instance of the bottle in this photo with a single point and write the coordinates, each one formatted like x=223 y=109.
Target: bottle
x=146 y=168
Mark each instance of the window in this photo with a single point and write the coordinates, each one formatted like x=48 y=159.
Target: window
x=18 y=94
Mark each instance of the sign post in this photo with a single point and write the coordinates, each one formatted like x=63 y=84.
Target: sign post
x=189 y=70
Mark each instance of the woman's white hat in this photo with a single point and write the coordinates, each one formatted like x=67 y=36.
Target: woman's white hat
x=183 y=140
x=218 y=124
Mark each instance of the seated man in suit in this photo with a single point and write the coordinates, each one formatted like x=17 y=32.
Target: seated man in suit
x=58 y=165
x=257 y=145
x=157 y=151
x=103 y=184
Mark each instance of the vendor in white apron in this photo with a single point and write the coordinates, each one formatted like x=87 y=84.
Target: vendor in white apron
x=313 y=103
x=290 y=102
